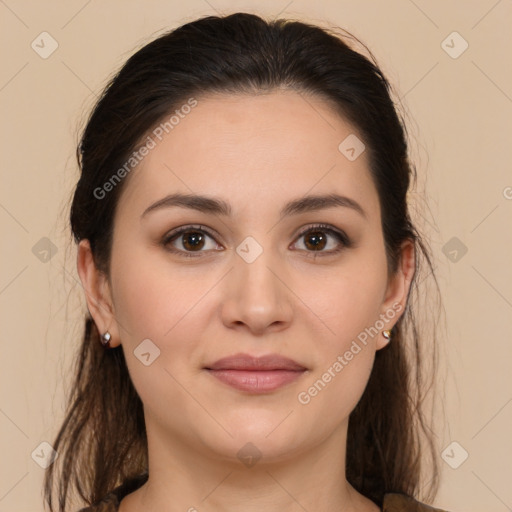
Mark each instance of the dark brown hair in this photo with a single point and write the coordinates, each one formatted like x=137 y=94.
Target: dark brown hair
x=102 y=442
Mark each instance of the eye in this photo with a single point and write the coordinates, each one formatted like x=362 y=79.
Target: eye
x=316 y=238
x=192 y=239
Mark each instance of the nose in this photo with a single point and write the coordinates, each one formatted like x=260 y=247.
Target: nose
x=256 y=296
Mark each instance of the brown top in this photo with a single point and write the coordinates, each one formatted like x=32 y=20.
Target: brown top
x=393 y=502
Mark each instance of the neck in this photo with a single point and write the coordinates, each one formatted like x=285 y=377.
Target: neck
x=186 y=478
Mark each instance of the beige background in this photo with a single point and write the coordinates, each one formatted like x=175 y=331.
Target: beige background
x=460 y=112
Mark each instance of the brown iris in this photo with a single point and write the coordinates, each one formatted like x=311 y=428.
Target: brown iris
x=318 y=239
x=193 y=240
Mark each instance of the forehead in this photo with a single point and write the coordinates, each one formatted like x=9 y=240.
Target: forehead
x=261 y=148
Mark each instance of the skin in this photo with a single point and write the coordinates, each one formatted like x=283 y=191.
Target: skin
x=256 y=152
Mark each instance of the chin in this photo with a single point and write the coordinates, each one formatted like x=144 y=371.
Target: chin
x=265 y=437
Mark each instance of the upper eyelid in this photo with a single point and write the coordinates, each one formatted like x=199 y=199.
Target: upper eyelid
x=183 y=229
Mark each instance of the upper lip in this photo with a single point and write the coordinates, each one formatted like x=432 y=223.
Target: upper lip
x=251 y=363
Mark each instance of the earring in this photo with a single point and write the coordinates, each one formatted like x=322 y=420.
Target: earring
x=105 y=339
x=387 y=334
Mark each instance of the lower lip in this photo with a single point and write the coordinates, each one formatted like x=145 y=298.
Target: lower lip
x=260 y=381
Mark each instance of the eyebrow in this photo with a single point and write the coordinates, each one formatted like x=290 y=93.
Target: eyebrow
x=216 y=206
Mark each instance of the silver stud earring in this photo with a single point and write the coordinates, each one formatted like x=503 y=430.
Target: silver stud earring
x=105 y=339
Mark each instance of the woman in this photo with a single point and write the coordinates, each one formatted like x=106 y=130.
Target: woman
x=247 y=256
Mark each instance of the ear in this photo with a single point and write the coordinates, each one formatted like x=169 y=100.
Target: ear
x=397 y=289
x=97 y=292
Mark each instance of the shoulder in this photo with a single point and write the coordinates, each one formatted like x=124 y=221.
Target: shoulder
x=394 y=502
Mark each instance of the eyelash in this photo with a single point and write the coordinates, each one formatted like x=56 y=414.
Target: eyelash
x=344 y=240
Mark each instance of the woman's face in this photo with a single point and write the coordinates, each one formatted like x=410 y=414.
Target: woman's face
x=260 y=280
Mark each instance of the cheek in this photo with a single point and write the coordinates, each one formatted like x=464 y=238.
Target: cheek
x=149 y=302
x=350 y=304
x=345 y=361
x=348 y=308
x=334 y=390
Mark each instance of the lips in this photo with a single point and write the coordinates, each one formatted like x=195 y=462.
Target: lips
x=256 y=374
x=249 y=363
